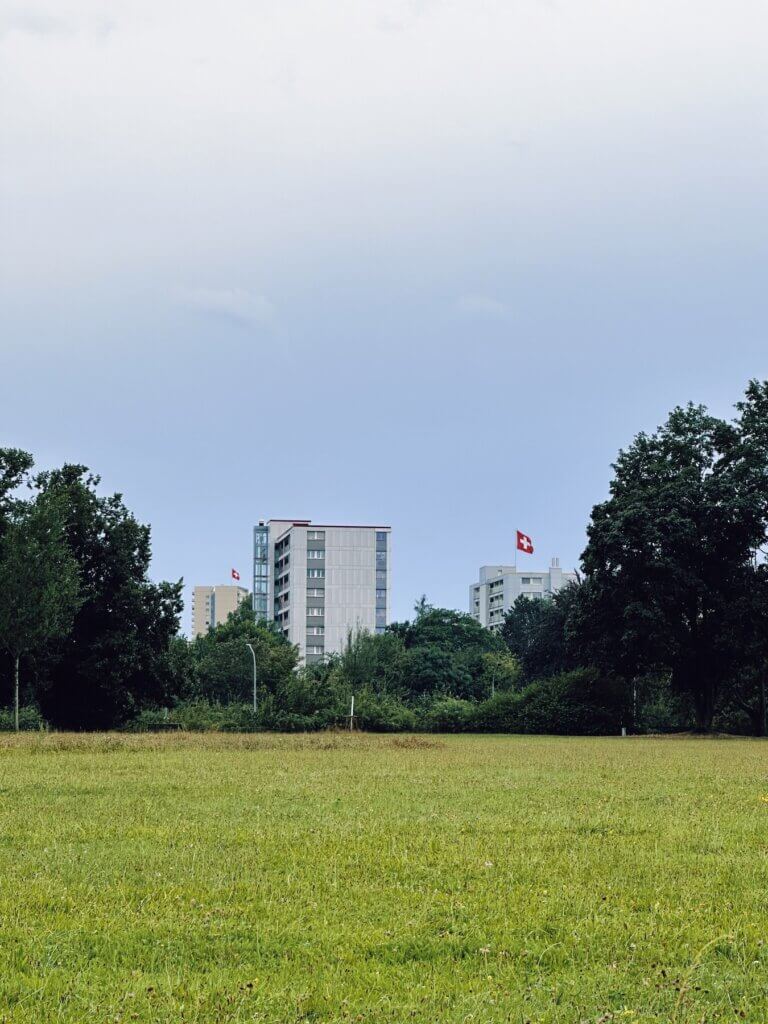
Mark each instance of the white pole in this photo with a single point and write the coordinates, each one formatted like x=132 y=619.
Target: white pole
x=352 y=714
x=253 y=655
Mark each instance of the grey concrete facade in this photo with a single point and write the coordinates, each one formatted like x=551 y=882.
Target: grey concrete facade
x=319 y=582
x=499 y=586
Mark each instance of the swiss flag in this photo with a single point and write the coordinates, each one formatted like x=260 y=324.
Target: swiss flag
x=524 y=543
x=236 y=574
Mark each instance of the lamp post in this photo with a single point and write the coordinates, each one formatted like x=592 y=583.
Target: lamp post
x=253 y=655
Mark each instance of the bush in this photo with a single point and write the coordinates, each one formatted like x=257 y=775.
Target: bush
x=500 y=713
x=578 y=703
x=382 y=713
x=30 y=719
x=448 y=714
x=149 y=720
x=661 y=709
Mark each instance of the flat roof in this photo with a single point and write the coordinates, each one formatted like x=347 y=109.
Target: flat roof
x=330 y=526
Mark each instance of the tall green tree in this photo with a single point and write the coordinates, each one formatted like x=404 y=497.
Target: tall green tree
x=115 y=660
x=669 y=553
x=39 y=581
x=535 y=632
x=223 y=666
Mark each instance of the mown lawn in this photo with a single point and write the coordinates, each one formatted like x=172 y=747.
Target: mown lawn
x=336 y=878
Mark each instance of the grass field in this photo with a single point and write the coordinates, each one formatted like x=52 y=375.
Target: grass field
x=356 y=878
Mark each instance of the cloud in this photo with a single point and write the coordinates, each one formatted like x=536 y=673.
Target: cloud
x=41 y=23
x=238 y=305
x=475 y=304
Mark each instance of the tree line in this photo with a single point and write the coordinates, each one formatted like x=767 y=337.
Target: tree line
x=665 y=629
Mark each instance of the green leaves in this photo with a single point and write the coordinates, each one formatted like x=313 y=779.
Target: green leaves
x=671 y=550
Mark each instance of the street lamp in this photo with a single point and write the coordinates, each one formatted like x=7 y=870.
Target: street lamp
x=253 y=655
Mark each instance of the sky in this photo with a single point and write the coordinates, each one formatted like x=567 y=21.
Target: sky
x=424 y=263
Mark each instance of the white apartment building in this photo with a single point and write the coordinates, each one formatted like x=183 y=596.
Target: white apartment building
x=500 y=586
x=318 y=582
x=212 y=605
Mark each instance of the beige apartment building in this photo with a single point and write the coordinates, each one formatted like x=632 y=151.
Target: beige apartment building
x=212 y=605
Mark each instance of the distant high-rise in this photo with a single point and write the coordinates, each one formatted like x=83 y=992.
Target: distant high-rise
x=320 y=582
x=212 y=605
x=500 y=586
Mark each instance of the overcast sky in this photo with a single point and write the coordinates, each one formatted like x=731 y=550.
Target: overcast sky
x=427 y=263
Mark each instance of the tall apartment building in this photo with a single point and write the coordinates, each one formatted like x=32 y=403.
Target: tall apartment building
x=318 y=582
x=500 y=586
x=212 y=605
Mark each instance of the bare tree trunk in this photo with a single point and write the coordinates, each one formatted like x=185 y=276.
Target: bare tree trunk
x=16 y=693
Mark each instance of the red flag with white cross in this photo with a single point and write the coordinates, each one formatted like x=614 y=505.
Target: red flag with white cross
x=524 y=543
x=235 y=574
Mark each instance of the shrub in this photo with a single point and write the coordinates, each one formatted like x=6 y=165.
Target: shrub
x=30 y=719
x=382 y=713
x=447 y=714
x=499 y=713
x=582 y=702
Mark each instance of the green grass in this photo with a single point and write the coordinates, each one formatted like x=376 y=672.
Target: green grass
x=333 y=878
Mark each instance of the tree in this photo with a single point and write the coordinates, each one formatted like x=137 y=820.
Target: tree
x=445 y=653
x=39 y=582
x=668 y=554
x=747 y=624
x=535 y=632
x=223 y=667
x=14 y=467
x=116 y=658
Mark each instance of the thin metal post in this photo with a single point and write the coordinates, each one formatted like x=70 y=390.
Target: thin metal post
x=253 y=655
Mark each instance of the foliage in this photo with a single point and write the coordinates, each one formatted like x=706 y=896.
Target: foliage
x=669 y=552
x=30 y=719
x=383 y=713
x=447 y=714
x=39 y=580
x=114 y=660
x=535 y=632
x=220 y=667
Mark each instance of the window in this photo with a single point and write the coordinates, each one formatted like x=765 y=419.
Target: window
x=315 y=534
x=381 y=598
x=525 y=579
x=381 y=629
x=315 y=649
x=316 y=554
x=381 y=559
x=381 y=541
x=315 y=612
x=381 y=578
x=316 y=574
x=315 y=630
x=315 y=592
x=381 y=616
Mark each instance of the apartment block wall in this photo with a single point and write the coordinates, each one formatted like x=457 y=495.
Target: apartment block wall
x=212 y=605
x=326 y=581
x=499 y=586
